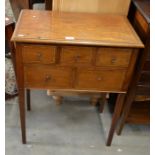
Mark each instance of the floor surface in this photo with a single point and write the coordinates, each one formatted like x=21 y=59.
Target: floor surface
x=74 y=128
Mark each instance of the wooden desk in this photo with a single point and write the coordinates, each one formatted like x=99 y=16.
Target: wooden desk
x=74 y=52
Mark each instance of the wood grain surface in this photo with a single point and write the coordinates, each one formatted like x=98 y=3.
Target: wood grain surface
x=75 y=28
x=105 y=6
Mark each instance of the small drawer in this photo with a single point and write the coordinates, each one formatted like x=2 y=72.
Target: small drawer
x=113 y=57
x=40 y=76
x=100 y=79
x=76 y=55
x=38 y=54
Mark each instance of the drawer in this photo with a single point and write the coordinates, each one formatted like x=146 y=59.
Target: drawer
x=38 y=54
x=44 y=76
x=76 y=55
x=113 y=57
x=100 y=79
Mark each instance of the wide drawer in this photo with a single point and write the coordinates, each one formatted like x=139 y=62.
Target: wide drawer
x=38 y=54
x=44 y=76
x=100 y=79
x=113 y=57
x=76 y=55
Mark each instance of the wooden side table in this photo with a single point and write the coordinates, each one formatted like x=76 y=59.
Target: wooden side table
x=83 y=52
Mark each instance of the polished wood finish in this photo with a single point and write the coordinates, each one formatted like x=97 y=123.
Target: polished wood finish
x=100 y=79
x=39 y=54
x=71 y=55
x=113 y=57
x=115 y=118
x=102 y=31
x=101 y=6
x=20 y=84
x=46 y=76
x=137 y=104
x=99 y=29
x=89 y=6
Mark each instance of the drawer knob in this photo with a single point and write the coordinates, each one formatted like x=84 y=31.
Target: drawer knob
x=47 y=78
x=77 y=58
x=99 y=79
x=39 y=55
x=113 y=60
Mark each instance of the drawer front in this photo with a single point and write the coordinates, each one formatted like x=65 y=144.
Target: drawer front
x=76 y=55
x=100 y=80
x=40 y=76
x=113 y=57
x=39 y=54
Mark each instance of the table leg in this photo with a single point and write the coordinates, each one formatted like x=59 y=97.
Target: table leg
x=21 y=90
x=125 y=113
x=94 y=100
x=126 y=109
x=116 y=115
x=102 y=103
x=22 y=114
x=28 y=97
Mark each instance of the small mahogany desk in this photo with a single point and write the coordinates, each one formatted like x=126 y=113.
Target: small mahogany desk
x=74 y=52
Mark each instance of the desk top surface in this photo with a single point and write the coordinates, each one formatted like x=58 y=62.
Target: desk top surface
x=36 y=26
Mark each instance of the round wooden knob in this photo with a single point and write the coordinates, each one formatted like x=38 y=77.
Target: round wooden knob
x=77 y=58
x=47 y=78
x=99 y=78
x=39 y=55
x=113 y=60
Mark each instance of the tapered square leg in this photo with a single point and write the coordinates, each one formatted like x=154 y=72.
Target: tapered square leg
x=22 y=114
x=102 y=102
x=115 y=118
